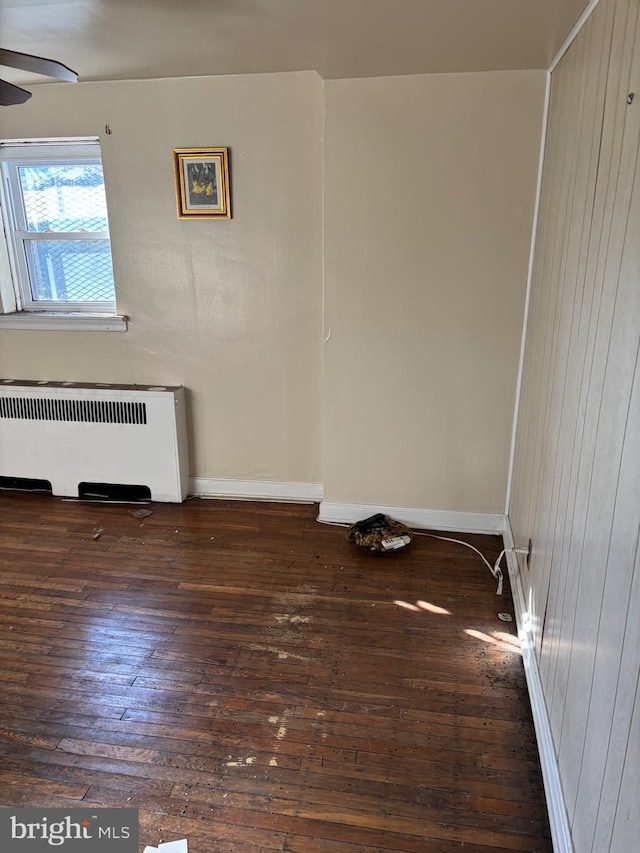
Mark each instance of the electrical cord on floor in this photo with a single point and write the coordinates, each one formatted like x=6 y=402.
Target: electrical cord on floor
x=495 y=570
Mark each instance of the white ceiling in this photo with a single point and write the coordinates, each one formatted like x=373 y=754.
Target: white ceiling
x=134 y=39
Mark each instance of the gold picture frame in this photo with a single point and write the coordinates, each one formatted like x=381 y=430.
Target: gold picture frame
x=202 y=183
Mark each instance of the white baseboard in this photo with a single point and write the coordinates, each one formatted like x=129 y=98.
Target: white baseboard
x=255 y=490
x=429 y=519
x=558 y=818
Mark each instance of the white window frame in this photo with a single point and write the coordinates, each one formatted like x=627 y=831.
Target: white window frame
x=20 y=309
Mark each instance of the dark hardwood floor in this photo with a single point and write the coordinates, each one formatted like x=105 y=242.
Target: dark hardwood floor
x=251 y=682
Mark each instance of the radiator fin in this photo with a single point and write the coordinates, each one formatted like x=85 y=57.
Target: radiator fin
x=77 y=410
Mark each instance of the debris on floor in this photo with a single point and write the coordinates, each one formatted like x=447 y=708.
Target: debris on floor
x=142 y=513
x=169 y=847
x=379 y=534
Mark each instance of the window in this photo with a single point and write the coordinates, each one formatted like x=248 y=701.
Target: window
x=55 y=217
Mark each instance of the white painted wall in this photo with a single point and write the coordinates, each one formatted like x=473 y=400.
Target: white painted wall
x=429 y=185
x=429 y=193
x=230 y=309
x=576 y=485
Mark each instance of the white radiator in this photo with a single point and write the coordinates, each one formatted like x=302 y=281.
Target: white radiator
x=70 y=433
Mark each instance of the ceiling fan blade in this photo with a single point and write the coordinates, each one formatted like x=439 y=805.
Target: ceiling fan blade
x=10 y=94
x=37 y=65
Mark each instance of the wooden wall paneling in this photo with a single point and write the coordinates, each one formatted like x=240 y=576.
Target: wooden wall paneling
x=625 y=835
x=575 y=488
x=623 y=752
x=569 y=417
x=609 y=676
x=570 y=562
x=527 y=420
x=556 y=192
x=540 y=312
x=568 y=110
x=528 y=416
x=617 y=660
x=609 y=392
x=562 y=599
x=555 y=435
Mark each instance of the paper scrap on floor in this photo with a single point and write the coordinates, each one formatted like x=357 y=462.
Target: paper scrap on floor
x=169 y=847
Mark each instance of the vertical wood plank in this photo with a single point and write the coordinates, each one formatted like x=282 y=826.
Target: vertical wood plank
x=625 y=830
x=576 y=489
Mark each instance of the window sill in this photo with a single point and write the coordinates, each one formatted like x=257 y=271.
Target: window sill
x=48 y=321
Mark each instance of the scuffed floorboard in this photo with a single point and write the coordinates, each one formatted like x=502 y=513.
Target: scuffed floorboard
x=251 y=682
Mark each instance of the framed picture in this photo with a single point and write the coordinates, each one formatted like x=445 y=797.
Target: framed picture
x=202 y=183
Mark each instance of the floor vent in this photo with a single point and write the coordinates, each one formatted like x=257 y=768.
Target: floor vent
x=116 y=492
x=25 y=484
